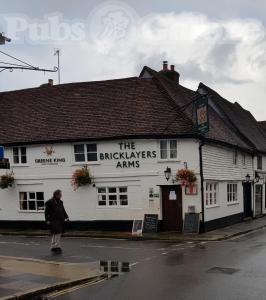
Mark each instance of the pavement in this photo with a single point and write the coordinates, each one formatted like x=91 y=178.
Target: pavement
x=215 y=235
x=25 y=278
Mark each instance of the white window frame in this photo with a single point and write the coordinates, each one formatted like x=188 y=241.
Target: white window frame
x=232 y=193
x=259 y=162
x=211 y=192
x=107 y=194
x=168 y=141
x=244 y=160
x=235 y=157
x=28 y=200
x=85 y=154
x=19 y=156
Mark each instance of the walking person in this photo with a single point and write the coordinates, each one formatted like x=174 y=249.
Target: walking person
x=55 y=217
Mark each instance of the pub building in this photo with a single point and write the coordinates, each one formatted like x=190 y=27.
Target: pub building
x=132 y=135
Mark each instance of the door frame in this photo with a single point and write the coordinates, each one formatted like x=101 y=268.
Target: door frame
x=175 y=186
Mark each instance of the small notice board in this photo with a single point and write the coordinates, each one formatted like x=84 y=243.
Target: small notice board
x=150 y=223
x=191 y=223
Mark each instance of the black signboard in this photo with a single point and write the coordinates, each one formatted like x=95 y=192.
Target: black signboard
x=191 y=224
x=202 y=114
x=150 y=223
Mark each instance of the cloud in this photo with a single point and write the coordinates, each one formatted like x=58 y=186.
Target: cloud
x=227 y=53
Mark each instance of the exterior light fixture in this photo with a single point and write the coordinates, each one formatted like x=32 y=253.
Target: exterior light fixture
x=247 y=178
x=257 y=177
x=167 y=173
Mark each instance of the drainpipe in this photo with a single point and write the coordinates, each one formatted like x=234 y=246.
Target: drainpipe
x=202 y=143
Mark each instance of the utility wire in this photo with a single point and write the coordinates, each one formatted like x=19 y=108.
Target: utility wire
x=25 y=63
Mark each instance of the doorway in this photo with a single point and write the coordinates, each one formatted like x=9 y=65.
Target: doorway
x=258 y=199
x=247 y=191
x=172 y=208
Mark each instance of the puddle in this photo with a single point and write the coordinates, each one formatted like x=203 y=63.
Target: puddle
x=228 y=271
x=114 y=268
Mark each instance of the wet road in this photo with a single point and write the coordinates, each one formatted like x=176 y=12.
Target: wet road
x=233 y=269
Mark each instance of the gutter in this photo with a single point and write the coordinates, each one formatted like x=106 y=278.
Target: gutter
x=202 y=143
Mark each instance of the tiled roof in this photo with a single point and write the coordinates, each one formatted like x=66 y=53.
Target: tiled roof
x=262 y=125
x=130 y=107
x=242 y=121
x=220 y=130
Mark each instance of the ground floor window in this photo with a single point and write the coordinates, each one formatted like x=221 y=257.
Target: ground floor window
x=112 y=196
x=31 y=201
x=232 y=192
x=211 y=193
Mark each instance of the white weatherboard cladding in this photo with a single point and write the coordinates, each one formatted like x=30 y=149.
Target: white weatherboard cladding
x=218 y=164
x=218 y=167
x=82 y=204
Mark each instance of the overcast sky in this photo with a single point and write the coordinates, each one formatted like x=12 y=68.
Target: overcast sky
x=219 y=43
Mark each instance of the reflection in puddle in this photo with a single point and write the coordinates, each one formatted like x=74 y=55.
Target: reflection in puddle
x=114 y=268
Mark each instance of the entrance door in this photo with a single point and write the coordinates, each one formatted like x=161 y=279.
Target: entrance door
x=172 y=208
x=247 y=199
x=258 y=199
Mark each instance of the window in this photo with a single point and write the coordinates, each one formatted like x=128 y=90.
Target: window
x=112 y=196
x=211 y=193
x=85 y=152
x=243 y=159
x=235 y=157
x=168 y=149
x=259 y=162
x=19 y=155
x=232 y=192
x=31 y=201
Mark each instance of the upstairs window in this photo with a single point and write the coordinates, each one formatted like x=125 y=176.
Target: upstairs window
x=235 y=154
x=243 y=159
x=19 y=155
x=168 y=149
x=259 y=162
x=85 y=152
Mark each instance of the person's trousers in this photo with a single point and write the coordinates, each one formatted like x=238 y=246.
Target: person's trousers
x=56 y=240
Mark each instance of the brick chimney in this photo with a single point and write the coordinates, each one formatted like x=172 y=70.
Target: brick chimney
x=50 y=82
x=170 y=74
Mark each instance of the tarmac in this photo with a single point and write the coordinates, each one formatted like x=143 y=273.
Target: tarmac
x=23 y=278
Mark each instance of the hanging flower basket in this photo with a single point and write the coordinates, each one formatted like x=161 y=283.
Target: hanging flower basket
x=81 y=177
x=186 y=177
x=7 y=180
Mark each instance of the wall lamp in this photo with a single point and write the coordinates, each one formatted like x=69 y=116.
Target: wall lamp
x=167 y=173
x=257 y=178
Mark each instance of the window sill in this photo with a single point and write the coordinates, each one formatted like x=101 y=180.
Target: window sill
x=112 y=207
x=31 y=211
x=86 y=163
x=168 y=160
x=234 y=203
x=19 y=165
x=212 y=206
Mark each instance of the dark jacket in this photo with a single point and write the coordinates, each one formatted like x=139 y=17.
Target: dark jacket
x=55 y=213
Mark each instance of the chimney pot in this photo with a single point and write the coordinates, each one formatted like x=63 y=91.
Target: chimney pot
x=172 y=67
x=165 y=65
x=50 y=82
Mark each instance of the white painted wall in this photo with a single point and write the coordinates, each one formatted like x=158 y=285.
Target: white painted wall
x=82 y=204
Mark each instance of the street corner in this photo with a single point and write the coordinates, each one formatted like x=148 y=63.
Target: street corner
x=21 y=278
